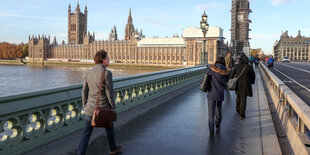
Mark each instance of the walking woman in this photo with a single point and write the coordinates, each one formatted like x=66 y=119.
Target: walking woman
x=244 y=83
x=219 y=78
x=89 y=96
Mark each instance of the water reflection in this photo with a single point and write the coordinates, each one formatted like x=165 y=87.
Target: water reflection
x=19 y=79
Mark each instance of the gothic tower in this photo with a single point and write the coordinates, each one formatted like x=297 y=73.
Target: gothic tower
x=77 y=25
x=240 y=11
x=113 y=34
x=130 y=30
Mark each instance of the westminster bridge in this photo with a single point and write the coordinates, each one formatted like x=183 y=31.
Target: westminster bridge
x=159 y=113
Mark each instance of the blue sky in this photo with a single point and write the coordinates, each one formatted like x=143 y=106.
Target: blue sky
x=160 y=18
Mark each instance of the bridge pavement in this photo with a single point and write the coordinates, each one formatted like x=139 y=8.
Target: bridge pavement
x=179 y=126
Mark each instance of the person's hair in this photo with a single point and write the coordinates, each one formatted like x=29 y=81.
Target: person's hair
x=99 y=56
x=244 y=59
x=220 y=59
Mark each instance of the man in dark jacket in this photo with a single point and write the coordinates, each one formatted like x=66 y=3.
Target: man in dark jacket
x=244 y=83
x=219 y=77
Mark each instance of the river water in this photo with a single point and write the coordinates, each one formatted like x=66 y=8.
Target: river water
x=20 y=79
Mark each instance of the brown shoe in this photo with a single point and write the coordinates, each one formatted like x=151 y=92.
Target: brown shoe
x=117 y=149
x=242 y=117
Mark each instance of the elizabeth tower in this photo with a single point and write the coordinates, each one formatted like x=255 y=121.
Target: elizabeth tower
x=240 y=11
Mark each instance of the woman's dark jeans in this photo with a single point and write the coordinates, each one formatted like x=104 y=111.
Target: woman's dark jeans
x=87 y=133
x=214 y=108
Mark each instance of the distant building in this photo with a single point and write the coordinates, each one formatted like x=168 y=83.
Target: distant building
x=257 y=52
x=113 y=34
x=77 y=25
x=296 y=48
x=134 y=49
x=240 y=11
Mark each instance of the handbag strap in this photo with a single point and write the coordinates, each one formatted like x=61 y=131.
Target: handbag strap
x=242 y=71
x=101 y=82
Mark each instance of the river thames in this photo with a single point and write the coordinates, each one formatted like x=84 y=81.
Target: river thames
x=20 y=79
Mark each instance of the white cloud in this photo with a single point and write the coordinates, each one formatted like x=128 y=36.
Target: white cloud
x=258 y=36
x=100 y=35
x=279 y=2
x=275 y=16
x=212 y=6
x=305 y=29
x=7 y=14
x=152 y=22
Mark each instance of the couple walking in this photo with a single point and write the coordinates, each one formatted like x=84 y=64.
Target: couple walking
x=220 y=74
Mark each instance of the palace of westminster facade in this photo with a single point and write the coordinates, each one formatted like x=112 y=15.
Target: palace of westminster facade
x=135 y=48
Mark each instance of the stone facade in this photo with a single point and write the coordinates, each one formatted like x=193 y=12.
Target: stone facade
x=240 y=11
x=113 y=34
x=77 y=25
x=186 y=50
x=296 y=48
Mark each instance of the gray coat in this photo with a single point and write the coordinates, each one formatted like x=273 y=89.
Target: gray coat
x=91 y=87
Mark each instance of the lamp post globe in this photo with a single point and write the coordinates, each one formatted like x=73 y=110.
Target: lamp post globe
x=204 y=27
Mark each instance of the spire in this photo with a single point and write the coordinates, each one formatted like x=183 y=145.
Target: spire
x=129 y=17
x=129 y=30
x=85 y=9
x=69 y=8
x=299 y=35
x=54 y=41
x=77 y=7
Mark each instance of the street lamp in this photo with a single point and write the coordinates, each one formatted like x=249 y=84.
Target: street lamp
x=204 y=27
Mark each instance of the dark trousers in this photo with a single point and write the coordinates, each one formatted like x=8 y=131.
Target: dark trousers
x=214 y=108
x=256 y=65
x=270 y=65
x=241 y=104
x=87 y=133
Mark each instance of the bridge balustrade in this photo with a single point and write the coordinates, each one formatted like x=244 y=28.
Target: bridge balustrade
x=30 y=120
x=294 y=114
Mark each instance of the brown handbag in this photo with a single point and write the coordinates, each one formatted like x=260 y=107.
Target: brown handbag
x=103 y=117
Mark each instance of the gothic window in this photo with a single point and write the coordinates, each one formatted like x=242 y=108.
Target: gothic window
x=73 y=27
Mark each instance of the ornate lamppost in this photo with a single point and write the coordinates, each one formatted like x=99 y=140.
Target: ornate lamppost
x=204 y=27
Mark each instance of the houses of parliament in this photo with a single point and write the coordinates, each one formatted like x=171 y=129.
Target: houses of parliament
x=134 y=48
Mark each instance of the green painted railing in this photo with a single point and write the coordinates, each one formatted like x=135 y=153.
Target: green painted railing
x=30 y=120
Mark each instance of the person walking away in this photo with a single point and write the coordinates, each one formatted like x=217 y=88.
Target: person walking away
x=229 y=62
x=244 y=84
x=219 y=77
x=256 y=61
x=89 y=96
x=251 y=59
x=270 y=62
